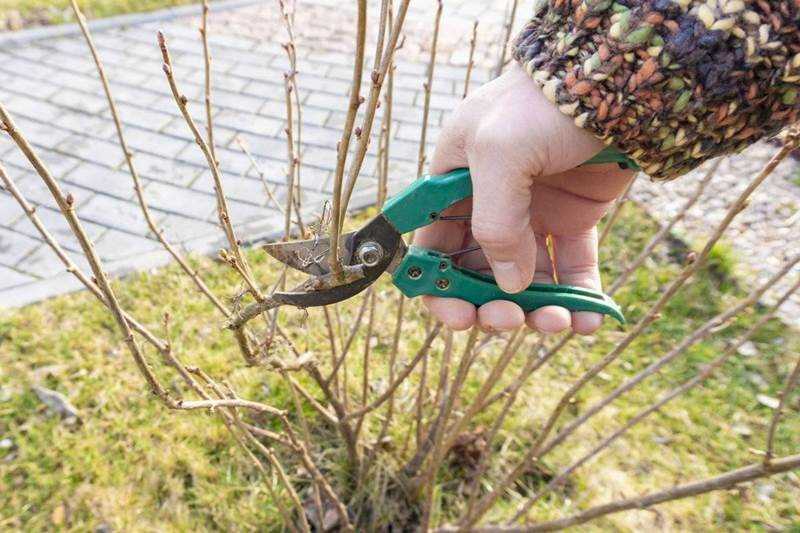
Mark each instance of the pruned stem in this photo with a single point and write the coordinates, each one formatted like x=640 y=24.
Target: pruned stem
x=347 y=134
x=383 y=63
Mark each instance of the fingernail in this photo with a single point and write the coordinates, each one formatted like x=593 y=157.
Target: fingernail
x=509 y=276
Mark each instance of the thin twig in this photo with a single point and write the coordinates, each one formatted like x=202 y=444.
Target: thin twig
x=347 y=133
x=306 y=434
x=711 y=327
x=389 y=392
x=242 y=338
x=449 y=400
x=471 y=62
x=207 y=69
x=383 y=63
x=702 y=376
x=215 y=404
x=616 y=211
x=721 y=482
x=222 y=203
x=509 y=28
x=788 y=388
x=30 y=211
x=427 y=88
x=666 y=229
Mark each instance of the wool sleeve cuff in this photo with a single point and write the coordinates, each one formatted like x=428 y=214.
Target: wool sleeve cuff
x=670 y=83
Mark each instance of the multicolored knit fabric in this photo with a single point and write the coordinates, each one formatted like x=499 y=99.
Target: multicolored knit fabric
x=670 y=83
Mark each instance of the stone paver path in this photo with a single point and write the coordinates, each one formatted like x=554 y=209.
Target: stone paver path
x=49 y=84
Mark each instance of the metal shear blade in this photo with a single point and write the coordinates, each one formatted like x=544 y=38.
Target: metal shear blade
x=310 y=256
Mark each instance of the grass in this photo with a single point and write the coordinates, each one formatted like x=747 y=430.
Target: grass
x=132 y=465
x=45 y=12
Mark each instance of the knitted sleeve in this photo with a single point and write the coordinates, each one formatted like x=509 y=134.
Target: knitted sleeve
x=671 y=83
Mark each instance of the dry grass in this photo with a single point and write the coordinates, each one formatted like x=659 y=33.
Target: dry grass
x=133 y=464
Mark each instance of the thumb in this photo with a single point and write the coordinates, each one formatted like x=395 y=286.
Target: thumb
x=501 y=220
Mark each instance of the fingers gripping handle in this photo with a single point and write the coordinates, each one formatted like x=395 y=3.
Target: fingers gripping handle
x=429 y=273
x=423 y=202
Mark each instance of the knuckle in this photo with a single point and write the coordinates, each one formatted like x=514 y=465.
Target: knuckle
x=493 y=234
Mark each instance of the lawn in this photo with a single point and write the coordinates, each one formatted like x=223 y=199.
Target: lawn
x=29 y=13
x=130 y=464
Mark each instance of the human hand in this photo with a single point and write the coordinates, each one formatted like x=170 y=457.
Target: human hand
x=523 y=154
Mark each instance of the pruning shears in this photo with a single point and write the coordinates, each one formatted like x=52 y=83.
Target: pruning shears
x=379 y=248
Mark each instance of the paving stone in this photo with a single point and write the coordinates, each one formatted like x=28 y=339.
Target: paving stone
x=179 y=229
x=117 y=214
x=153 y=167
x=177 y=128
x=115 y=245
x=95 y=150
x=44 y=263
x=233 y=162
x=28 y=86
x=237 y=187
x=101 y=179
x=57 y=163
x=179 y=200
x=90 y=125
x=33 y=108
x=153 y=142
x=138 y=116
x=15 y=246
x=25 y=67
x=78 y=100
x=242 y=212
x=10 y=211
x=58 y=227
x=12 y=278
x=30 y=185
x=311 y=115
x=256 y=124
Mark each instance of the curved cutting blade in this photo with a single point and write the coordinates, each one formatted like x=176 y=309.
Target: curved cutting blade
x=326 y=290
x=310 y=256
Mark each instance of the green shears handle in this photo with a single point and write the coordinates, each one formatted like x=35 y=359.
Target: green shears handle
x=426 y=272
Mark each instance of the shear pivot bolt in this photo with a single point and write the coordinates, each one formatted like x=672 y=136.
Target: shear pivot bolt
x=370 y=253
x=414 y=272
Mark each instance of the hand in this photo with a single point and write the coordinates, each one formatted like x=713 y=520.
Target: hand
x=522 y=153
